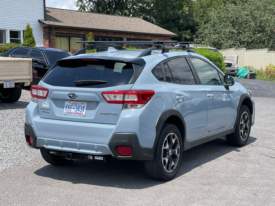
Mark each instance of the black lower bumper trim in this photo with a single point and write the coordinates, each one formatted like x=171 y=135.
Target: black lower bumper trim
x=29 y=131
x=130 y=139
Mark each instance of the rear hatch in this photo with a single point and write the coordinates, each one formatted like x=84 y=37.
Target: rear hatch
x=76 y=86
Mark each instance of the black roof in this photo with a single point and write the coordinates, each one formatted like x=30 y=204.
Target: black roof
x=43 y=48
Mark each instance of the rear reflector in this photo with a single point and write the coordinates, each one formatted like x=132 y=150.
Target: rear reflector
x=131 y=99
x=30 y=139
x=124 y=150
x=38 y=92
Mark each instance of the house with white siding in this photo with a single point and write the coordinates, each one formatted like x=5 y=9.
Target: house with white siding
x=14 y=16
x=62 y=28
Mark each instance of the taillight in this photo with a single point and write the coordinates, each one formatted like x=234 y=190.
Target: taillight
x=34 y=73
x=38 y=92
x=131 y=99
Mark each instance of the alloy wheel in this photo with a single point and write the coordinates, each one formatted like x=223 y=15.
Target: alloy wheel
x=170 y=152
x=244 y=126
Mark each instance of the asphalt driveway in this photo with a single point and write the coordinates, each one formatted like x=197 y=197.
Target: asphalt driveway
x=259 y=88
x=211 y=174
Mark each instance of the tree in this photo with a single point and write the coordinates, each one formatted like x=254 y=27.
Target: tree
x=28 y=37
x=132 y=8
x=247 y=24
x=202 y=7
x=175 y=16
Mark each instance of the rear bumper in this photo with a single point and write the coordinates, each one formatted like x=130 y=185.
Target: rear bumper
x=117 y=139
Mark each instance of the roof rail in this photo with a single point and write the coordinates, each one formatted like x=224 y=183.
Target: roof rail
x=126 y=42
x=154 y=45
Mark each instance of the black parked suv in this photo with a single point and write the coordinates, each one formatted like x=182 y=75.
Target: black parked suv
x=44 y=58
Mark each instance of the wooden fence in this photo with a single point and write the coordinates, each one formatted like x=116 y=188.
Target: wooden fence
x=257 y=58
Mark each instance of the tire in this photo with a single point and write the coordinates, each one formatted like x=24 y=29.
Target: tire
x=10 y=95
x=54 y=159
x=242 y=130
x=160 y=167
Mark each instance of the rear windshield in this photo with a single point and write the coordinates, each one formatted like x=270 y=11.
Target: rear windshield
x=107 y=73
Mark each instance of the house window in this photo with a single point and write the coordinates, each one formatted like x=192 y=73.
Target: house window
x=107 y=38
x=15 y=37
x=2 y=36
x=68 y=43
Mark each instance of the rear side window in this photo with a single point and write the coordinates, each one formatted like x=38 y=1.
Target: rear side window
x=158 y=73
x=101 y=73
x=167 y=72
x=162 y=72
x=181 y=71
x=21 y=52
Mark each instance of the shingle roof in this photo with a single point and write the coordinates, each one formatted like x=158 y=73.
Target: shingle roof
x=88 y=20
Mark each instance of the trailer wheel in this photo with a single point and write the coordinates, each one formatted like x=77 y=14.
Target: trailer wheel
x=10 y=95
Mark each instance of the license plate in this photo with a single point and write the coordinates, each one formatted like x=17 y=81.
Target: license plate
x=75 y=108
x=9 y=84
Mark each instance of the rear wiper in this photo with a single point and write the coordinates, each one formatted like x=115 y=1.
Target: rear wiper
x=88 y=82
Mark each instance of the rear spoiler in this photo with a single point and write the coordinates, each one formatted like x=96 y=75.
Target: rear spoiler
x=137 y=60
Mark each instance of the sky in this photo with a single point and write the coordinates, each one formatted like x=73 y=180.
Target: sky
x=62 y=4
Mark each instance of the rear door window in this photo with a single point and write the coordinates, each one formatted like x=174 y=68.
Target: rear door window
x=95 y=73
x=37 y=55
x=181 y=71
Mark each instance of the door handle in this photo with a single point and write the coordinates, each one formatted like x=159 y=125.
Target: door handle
x=210 y=95
x=180 y=98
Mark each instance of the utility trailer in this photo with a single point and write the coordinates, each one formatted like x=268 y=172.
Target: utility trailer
x=15 y=73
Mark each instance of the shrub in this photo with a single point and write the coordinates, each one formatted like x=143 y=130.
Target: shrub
x=90 y=38
x=267 y=74
x=28 y=37
x=6 y=47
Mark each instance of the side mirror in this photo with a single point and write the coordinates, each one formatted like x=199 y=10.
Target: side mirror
x=228 y=81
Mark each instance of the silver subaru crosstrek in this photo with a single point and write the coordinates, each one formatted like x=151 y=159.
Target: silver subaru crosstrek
x=148 y=105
